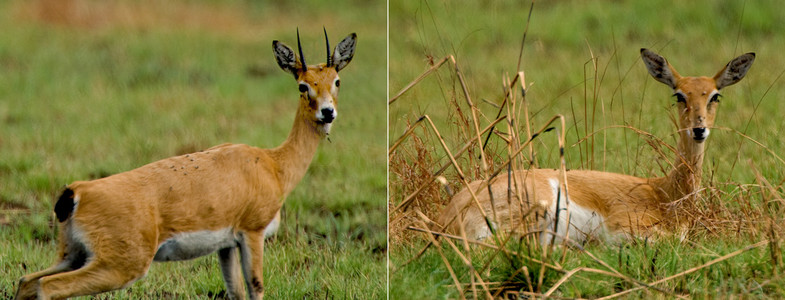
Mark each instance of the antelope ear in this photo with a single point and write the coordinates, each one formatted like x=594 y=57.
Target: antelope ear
x=286 y=58
x=344 y=52
x=659 y=68
x=734 y=71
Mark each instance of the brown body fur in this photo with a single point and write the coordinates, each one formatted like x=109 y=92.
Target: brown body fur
x=627 y=203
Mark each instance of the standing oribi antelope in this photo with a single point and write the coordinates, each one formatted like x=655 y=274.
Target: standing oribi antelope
x=218 y=200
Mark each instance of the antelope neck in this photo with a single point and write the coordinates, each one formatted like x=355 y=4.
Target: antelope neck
x=296 y=153
x=685 y=178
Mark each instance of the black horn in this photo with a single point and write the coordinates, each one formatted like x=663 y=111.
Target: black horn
x=327 y=42
x=300 y=48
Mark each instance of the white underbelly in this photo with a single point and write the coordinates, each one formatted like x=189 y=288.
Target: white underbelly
x=190 y=245
x=581 y=223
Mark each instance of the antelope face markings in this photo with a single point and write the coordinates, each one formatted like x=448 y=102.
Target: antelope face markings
x=697 y=99
x=319 y=92
x=318 y=84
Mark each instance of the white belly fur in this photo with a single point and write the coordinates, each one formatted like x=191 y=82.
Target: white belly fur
x=272 y=228
x=584 y=223
x=190 y=245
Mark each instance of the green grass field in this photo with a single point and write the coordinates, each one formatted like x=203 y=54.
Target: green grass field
x=93 y=88
x=581 y=59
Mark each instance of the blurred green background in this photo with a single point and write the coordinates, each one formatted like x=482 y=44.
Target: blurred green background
x=581 y=59
x=697 y=37
x=92 y=88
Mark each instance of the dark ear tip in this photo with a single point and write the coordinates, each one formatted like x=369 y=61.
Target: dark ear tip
x=751 y=53
x=644 y=50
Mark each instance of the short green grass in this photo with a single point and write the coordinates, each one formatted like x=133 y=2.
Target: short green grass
x=90 y=89
x=749 y=274
x=697 y=37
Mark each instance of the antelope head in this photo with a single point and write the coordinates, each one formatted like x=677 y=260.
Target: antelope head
x=318 y=84
x=697 y=98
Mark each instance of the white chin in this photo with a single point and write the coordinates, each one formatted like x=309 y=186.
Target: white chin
x=326 y=128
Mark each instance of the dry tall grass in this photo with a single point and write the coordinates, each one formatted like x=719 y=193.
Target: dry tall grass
x=424 y=172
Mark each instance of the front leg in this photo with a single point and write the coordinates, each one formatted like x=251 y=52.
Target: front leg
x=251 y=247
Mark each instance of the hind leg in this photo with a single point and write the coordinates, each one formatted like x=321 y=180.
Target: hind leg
x=118 y=263
x=72 y=256
x=96 y=277
x=28 y=285
x=232 y=273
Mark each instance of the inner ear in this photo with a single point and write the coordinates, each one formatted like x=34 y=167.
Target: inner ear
x=659 y=68
x=734 y=71
x=286 y=58
x=344 y=52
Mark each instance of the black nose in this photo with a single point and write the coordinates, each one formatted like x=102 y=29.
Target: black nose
x=699 y=133
x=327 y=115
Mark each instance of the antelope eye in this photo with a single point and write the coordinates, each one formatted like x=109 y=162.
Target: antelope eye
x=680 y=98
x=337 y=83
x=715 y=98
x=303 y=88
